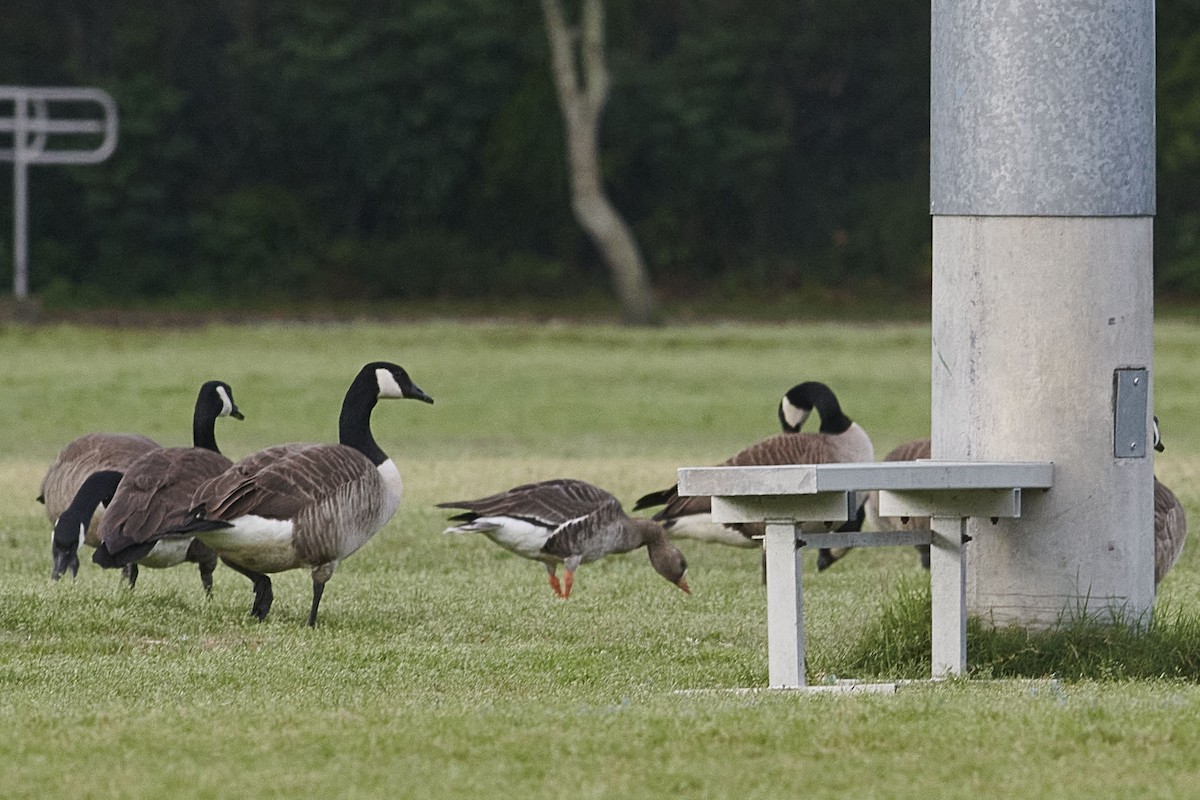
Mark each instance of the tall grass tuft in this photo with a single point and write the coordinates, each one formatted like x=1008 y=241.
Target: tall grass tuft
x=1078 y=647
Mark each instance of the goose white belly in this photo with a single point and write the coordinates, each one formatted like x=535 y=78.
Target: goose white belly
x=523 y=538
x=166 y=553
x=257 y=543
x=350 y=516
x=701 y=528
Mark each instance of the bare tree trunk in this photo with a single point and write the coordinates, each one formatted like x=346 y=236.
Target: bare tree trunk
x=582 y=103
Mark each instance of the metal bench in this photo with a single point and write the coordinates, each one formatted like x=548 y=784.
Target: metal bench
x=949 y=492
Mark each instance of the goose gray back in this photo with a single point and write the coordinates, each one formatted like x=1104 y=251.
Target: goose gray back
x=838 y=440
x=92 y=452
x=155 y=494
x=306 y=505
x=1170 y=522
x=569 y=522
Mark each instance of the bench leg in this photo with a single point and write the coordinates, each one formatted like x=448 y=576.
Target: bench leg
x=948 y=584
x=785 y=607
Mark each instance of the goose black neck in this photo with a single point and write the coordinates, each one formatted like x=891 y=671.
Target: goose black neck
x=98 y=488
x=822 y=398
x=204 y=423
x=354 y=424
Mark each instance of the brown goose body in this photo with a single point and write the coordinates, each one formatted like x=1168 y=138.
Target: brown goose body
x=689 y=517
x=93 y=452
x=569 y=522
x=1170 y=530
x=839 y=440
x=317 y=504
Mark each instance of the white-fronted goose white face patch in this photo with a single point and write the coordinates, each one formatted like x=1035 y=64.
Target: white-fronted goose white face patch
x=794 y=415
x=226 y=401
x=387 y=383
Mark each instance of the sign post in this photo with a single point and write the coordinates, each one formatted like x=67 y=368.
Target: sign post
x=48 y=126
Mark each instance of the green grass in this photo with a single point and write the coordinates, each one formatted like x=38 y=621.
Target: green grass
x=444 y=667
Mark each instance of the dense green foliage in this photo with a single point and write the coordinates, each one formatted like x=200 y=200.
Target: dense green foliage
x=311 y=149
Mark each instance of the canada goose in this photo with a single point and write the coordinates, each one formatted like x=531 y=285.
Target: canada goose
x=73 y=523
x=1170 y=523
x=89 y=453
x=155 y=493
x=567 y=522
x=909 y=451
x=839 y=440
x=305 y=505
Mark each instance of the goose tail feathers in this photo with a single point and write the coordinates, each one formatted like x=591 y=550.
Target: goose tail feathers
x=661 y=497
x=121 y=558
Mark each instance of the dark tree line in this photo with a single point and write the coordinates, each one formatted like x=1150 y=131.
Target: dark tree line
x=412 y=148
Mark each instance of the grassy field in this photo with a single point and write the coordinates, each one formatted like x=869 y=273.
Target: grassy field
x=445 y=667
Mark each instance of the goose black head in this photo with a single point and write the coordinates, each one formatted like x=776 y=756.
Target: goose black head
x=72 y=524
x=800 y=401
x=216 y=398
x=1158 y=445
x=393 y=382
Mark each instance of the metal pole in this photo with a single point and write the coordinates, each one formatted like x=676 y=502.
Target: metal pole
x=1042 y=194
x=20 y=202
x=32 y=126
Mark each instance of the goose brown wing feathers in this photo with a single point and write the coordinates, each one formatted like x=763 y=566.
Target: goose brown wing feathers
x=594 y=534
x=782 y=448
x=92 y=452
x=547 y=503
x=155 y=494
x=280 y=481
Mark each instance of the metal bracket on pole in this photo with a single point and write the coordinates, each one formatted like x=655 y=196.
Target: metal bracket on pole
x=38 y=120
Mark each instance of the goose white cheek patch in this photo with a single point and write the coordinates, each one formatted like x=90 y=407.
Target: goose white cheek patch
x=226 y=402
x=795 y=416
x=387 y=383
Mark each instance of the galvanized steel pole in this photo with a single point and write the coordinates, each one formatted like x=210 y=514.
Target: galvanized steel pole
x=1042 y=193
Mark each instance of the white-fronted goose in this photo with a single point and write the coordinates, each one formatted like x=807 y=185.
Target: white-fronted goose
x=838 y=440
x=567 y=522
x=155 y=494
x=306 y=505
x=1170 y=523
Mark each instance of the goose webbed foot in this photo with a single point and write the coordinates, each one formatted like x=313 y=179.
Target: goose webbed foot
x=825 y=559
x=263 y=597
x=130 y=571
x=206 y=580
